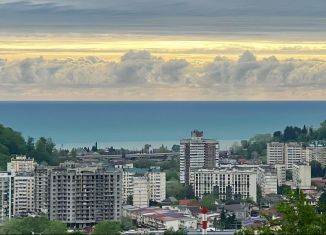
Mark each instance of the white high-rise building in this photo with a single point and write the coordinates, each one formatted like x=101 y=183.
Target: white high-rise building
x=21 y=164
x=267 y=180
x=316 y=153
x=23 y=193
x=275 y=153
x=288 y=154
x=229 y=182
x=140 y=192
x=197 y=153
x=294 y=153
x=156 y=182
x=301 y=174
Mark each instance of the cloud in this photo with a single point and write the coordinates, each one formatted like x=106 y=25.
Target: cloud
x=227 y=17
x=139 y=70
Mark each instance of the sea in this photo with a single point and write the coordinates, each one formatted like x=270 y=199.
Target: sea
x=133 y=124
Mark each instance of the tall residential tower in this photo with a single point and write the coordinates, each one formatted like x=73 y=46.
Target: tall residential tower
x=197 y=153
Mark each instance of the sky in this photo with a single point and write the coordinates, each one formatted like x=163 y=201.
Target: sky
x=163 y=50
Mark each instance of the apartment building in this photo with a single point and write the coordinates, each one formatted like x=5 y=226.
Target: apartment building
x=281 y=173
x=197 y=153
x=156 y=182
x=275 y=153
x=5 y=196
x=267 y=180
x=316 y=153
x=23 y=193
x=83 y=196
x=301 y=174
x=230 y=182
x=42 y=190
x=288 y=154
x=294 y=153
x=21 y=164
x=140 y=192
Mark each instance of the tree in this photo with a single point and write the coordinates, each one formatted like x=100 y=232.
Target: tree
x=94 y=147
x=283 y=189
x=172 y=232
x=127 y=223
x=175 y=148
x=288 y=175
x=321 y=132
x=36 y=225
x=298 y=216
x=175 y=189
x=189 y=192
x=73 y=153
x=223 y=218
x=278 y=136
x=228 y=194
x=55 y=227
x=30 y=146
x=316 y=169
x=208 y=201
x=322 y=202
x=215 y=223
x=130 y=200
x=107 y=228
x=259 y=195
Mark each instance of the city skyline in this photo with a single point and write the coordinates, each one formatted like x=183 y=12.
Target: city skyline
x=153 y=50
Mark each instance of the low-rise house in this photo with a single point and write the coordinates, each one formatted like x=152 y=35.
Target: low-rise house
x=158 y=218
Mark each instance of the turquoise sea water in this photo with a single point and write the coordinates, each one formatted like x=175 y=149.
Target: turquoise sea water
x=132 y=124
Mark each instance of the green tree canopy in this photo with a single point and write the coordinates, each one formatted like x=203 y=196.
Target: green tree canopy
x=30 y=225
x=208 y=201
x=55 y=227
x=107 y=228
x=298 y=217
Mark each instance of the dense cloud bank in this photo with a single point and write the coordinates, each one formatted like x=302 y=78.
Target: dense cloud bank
x=141 y=69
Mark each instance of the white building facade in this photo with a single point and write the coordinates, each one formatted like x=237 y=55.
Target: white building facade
x=294 y=153
x=233 y=181
x=23 y=194
x=301 y=174
x=267 y=180
x=156 y=182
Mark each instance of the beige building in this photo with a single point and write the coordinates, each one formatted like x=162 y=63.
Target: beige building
x=140 y=191
x=316 y=153
x=157 y=185
x=287 y=154
x=301 y=174
x=294 y=153
x=275 y=153
x=21 y=164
